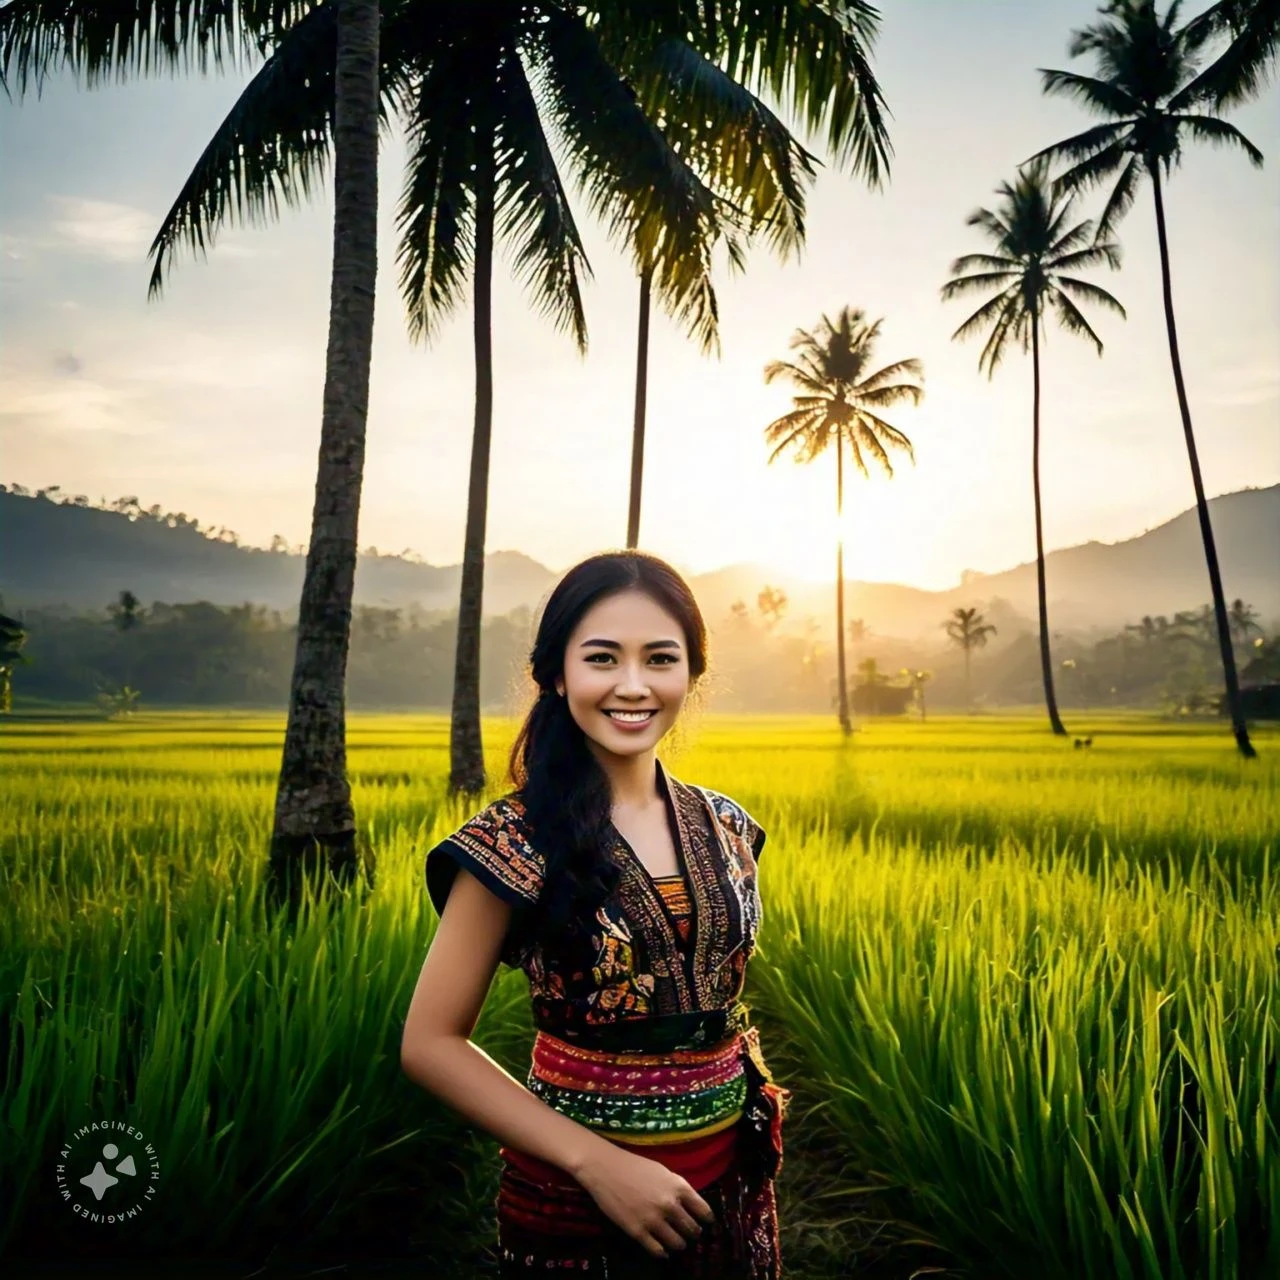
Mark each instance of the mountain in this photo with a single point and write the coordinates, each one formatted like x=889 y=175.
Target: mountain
x=82 y=556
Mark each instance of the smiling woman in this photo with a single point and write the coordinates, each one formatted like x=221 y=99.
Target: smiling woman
x=650 y=1126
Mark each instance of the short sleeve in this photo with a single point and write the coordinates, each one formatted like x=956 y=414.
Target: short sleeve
x=492 y=846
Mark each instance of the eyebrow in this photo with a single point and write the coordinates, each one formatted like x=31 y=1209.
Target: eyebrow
x=613 y=644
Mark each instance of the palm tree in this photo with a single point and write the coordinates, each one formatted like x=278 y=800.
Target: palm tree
x=13 y=635
x=1148 y=91
x=740 y=148
x=1033 y=252
x=967 y=629
x=313 y=812
x=841 y=402
x=1243 y=619
x=314 y=820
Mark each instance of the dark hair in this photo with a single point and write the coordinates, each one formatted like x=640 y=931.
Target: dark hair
x=564 y=790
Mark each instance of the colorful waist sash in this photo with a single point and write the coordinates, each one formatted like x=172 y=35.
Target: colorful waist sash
x=679 y=1094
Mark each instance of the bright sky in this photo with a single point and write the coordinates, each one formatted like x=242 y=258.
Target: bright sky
x=208 y=401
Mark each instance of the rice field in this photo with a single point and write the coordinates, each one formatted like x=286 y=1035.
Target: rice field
x=1027 y=997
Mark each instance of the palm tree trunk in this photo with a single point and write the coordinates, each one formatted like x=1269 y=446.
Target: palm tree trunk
x=314 y=819
x=642 y=392
x=842 y=698
x=1234 y=707
x=968 y=684
x=466 y=750
x=1046 y=662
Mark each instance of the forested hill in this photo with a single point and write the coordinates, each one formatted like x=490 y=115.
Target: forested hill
x=82 y=556
x=59 y=552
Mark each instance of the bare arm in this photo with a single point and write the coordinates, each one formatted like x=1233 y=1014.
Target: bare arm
x=436 y=1053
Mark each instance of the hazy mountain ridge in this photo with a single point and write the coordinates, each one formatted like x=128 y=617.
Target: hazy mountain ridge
x=60 y=553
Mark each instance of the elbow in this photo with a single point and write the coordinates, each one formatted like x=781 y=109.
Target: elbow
x=417 y=1052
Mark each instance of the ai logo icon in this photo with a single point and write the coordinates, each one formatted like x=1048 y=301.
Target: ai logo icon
x=107 y=1172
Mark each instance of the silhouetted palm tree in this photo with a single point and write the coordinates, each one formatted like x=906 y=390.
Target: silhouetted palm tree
x=1147 y=88
x=314 y=820
x=841 y=402
x=1035 y=249
x=967 y=629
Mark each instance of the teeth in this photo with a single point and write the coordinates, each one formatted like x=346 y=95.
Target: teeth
x=631 y=717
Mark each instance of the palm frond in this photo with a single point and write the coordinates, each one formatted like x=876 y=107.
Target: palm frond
x=1121 y=199
x=798 y=374
x=894 y=393
x=970 y=284
x=272 y=146
x=1072 y=319
x=1095 y=255
x=436 y=213
x=98 y=39
x=1102 y=97
x=983 y=261
x=631 y=176
x=1099 y=140
x=730 y=137
x=791 y=429
x=1091 y=292
x=1243 y=70
x=1220 y=133
x=989 y=311
x=532 y=207
x=900 y=368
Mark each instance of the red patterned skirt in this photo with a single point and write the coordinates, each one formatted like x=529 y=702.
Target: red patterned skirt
x=712 y=1114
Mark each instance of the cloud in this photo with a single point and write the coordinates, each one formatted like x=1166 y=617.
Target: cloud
x=101 y=228
x=67 y=362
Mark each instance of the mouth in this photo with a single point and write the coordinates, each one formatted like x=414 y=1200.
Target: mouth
x=631 y=717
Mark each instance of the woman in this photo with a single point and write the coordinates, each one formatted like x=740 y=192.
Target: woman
x=649 y=1134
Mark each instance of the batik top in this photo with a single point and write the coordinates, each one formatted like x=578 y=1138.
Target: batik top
x=640 y=959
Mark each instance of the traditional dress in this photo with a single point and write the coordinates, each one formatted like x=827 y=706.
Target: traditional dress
x=642 y=1037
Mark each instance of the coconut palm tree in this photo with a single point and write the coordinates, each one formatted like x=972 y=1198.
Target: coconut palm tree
x=314 y=820
x=1147 y=90
x=1031 y=272
x=967 y=629
x=741 y=149
x=13 y=635
x=841 y=402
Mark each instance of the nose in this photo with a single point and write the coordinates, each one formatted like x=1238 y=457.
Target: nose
x=631 y=684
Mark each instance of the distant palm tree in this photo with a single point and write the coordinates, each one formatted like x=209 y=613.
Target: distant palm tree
x=967 y=629
x=1028 y=273
x=1244 y=621
x=1147 y=89
x=841 y=402
x=126 y=613
x=13 y=635
x=1242 y=70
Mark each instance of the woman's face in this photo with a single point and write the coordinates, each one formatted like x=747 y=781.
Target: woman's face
x=627 y=653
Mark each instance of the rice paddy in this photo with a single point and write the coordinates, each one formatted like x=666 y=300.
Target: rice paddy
x=1026 y=996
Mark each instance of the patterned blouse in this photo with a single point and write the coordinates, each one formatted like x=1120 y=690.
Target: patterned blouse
x=667 y=945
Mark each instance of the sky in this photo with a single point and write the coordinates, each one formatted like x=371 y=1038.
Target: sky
x=208 y=400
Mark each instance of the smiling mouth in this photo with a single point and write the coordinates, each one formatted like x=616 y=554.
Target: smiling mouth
x=631 y=717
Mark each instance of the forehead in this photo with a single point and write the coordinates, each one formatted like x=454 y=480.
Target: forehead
x=629 y=615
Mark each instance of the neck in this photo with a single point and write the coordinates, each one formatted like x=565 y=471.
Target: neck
x=633 y=780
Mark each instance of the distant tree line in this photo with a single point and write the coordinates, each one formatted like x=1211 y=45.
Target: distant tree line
x=201 y=654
